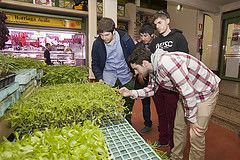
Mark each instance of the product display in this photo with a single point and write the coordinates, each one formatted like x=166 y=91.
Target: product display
x=66 y=47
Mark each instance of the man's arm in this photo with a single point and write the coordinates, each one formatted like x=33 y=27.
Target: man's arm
x=96 y=68
x=142 y=93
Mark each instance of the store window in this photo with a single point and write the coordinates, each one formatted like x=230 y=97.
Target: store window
x=230 y=63
x=65 y=47
x=30 y=33
x=232 y=51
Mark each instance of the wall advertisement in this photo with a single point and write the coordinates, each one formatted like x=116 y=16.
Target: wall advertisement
x=42 y=21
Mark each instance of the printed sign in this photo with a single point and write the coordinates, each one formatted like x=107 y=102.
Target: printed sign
x=42 y=21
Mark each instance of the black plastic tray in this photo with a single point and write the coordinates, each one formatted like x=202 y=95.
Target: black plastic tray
x=7 y=80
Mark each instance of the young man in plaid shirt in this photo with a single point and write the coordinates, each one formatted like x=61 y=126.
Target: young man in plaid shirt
x=196 y=84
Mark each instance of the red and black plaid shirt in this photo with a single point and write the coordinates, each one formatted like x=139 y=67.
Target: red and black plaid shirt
x=183 y=73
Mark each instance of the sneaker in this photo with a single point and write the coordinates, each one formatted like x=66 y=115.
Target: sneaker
x=145 y=130
x=157 y=144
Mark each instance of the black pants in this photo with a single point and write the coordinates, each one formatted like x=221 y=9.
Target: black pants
x=146 y=112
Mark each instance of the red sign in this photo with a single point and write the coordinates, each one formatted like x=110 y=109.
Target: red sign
x=200 y=26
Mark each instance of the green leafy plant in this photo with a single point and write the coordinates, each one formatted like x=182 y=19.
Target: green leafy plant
x=20 y=63
x=61 y=74
x=161 y=154
x=5 y=68
x=63 y=104
x=73 y=143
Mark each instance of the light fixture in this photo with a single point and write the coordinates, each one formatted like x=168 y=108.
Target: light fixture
x=179 y=7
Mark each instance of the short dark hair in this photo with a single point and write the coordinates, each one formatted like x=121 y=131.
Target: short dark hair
x=139 y=55
x=47 y=44
x=146 y=28
x=160 y=14
x=106 y=25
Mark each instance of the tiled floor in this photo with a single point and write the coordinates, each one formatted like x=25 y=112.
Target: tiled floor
x=221 y=144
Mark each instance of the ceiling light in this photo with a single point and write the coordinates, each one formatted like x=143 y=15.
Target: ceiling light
x=179 y=7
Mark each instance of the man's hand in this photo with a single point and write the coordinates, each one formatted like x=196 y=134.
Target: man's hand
x=101 y=81
x=125 y=92
x=194 y=127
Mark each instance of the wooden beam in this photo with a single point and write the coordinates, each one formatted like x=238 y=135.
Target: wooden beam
x=15 y=5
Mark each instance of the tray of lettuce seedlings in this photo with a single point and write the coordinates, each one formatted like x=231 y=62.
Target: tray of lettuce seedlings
x=70 y=142
x=64 y=104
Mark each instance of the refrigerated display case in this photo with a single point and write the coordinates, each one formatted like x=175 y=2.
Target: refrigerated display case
x=230 y=60
x=66 y=47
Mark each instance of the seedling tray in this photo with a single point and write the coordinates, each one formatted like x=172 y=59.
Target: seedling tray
x=4 y=92
x=7 y=80
x=23 y=87
x=7 y=102
x=25 y=75
x=112 y=120
x=124 y=143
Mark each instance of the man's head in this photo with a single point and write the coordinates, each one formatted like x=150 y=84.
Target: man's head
x=48 y=46
x=140 y=61
x=106 y=28
x=146 y=33
x=161 y=20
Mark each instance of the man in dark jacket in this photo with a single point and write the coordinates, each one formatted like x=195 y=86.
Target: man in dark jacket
x=146 y=32
x=109 y=58
x=170 y=40
x=47 y=58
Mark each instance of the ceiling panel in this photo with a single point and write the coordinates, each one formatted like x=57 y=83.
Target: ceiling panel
x=220 y=2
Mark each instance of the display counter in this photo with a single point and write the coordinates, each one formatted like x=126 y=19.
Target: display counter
x=57 y=57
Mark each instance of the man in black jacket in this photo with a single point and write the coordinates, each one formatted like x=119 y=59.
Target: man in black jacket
x=146 y=35
x=170 y=40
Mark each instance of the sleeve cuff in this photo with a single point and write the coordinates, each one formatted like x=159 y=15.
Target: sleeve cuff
x=193 y=119
x=134 y=93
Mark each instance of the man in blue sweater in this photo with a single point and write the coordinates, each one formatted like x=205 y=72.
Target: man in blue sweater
x=109 y=58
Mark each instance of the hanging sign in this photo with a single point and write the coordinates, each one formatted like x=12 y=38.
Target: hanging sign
x=121 y=26
x=42 y=21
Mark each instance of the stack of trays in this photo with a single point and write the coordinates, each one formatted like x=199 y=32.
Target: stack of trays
x=8 y=96
x=27 y=80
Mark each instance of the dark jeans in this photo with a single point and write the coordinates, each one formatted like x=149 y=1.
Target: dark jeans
x=147 y=112
x=166 y=105
x=129 y=102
